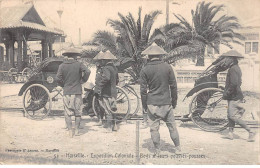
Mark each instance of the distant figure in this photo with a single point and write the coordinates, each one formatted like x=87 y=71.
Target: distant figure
x=99 y=70
x=157 y=77
x=105 y=88
x=233 y=94
x=71 y=74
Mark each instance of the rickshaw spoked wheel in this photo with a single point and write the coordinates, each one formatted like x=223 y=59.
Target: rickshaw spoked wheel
x=208 y=110
x=122 y=103
x=134 y=99
x=37 y=102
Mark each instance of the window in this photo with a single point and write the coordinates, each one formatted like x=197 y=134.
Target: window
x=247 y=47
x=251 y=47
x=255 y=47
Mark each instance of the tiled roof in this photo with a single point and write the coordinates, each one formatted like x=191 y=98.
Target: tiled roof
x=31 y=25
x=13 y=17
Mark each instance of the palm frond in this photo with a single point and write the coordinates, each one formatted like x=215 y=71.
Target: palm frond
x=183 y=21
x=238 y=42
x=139 y=27
x=148 y=23
x=107 y=39
x=158 y=34
x=215 y=11
x=224 y=19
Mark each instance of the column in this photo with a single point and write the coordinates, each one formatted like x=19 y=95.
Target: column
x=50 y=41
x=1 y=55
x=7 y=51
x=11 y=53
x=20 y=55
x=50 y=50
x=19 y=39
x=25 y=58
x=44 y=49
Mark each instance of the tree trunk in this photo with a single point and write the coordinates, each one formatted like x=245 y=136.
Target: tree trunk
x=200 y=58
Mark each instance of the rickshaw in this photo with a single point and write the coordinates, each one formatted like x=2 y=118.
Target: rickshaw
x=39 y=91
x=207 y=109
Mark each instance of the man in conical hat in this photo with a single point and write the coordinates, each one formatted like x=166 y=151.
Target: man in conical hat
x=99 y=68
x=71 y=74
x=105 y=88
x=158 y=89
x=72 y=52
x=233 y=94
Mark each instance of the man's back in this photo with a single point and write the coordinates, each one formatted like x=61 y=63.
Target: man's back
x=158 y=76
x=70 y=75
x=107 y=81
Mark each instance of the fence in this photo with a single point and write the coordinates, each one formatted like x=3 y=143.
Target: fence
x=189 y=76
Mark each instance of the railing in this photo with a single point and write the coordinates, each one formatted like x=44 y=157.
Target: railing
x=189 y=76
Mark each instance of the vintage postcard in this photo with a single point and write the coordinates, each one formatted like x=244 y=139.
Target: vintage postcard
x=129 y=82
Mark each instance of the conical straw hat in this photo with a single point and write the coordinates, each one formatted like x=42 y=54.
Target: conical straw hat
x=154 y=49
x=232 y=53
x=71 y=52
x=105 y=56
x=98 y=55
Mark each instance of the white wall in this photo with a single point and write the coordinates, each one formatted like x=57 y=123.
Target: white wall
x=249 y=67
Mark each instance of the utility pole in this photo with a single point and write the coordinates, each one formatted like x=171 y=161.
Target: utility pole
x=60 y=11
x=0 y=7
x=79 y=37
x=167 y=10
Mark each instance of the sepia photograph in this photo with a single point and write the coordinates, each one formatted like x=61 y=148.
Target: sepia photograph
x=129 y=82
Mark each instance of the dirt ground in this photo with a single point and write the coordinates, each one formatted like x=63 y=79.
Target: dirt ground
x=26 y=141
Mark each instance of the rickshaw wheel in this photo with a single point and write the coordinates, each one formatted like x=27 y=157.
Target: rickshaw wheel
x=134 y=99
x=122 y=104
x=208 y=110
x=37 y=102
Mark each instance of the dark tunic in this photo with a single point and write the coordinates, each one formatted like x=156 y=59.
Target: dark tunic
x=233 y=84
x=158 y=78
x=71 y=74
x=107 y=80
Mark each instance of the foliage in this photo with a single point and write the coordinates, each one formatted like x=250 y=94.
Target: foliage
x=207 y=31
x=131 y=37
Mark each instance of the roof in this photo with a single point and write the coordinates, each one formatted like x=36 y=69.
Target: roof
x=23 y=16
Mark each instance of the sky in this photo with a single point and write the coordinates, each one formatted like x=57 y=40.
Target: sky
x=92 y=15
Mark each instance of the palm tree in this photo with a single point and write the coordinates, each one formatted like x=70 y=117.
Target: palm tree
x=176 y=40
x=207 y=31
x=131 y=37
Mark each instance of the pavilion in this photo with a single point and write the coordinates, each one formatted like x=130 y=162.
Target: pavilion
x=22 y=24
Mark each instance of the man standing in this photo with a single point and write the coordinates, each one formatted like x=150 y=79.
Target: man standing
x=233 y=94
x=158 y=78
x=99 y=70
x=105 y=88
x=71 y=74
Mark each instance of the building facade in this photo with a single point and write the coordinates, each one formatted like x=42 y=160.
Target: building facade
x=187 y=72
x=19 y=25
